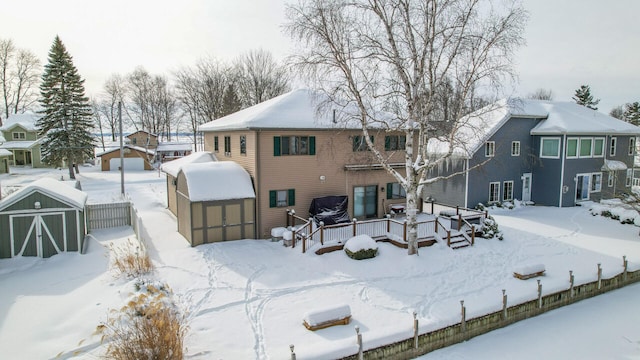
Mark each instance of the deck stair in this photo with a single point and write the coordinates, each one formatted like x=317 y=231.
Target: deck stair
x=459 y=240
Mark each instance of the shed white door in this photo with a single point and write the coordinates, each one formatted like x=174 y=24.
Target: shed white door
x=33 y=235
x=129 y=164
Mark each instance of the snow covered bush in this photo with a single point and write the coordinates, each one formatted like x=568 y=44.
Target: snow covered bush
x=150 y=326
x=490 y=229
x=480 y=207
x=130 y=259
x=361 y=247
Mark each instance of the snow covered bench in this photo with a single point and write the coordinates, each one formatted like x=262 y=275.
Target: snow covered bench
x=529 y=271
x=325 y=317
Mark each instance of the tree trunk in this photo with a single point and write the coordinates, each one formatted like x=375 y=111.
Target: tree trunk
x=412 y=220
x=72 y=176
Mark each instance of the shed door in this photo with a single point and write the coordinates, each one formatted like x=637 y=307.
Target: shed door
x=225 y=222
x=129 y=164
x=40 y=235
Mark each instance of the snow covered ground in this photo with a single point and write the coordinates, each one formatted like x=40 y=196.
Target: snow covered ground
x=246 y=299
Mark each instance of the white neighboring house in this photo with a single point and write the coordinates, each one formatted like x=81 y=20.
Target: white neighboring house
x=167 y=151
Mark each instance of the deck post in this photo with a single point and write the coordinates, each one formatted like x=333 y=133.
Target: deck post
x=404 y=230
x=459 y=220
x=293 y=238
x=354 y=226
x=437 y=224
x=431 y=207
x=473 y=234
x=457 y=209
x=388 y=216
x=449 y=238
x=321 y=232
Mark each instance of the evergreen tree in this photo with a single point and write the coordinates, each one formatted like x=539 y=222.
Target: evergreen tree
x=583 y=97
x=632 y=113
x=67 y=120
x=230 y=101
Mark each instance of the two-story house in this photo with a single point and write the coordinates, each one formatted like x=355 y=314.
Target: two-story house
x=22 y=140
x=547 y=152
x=294 y=154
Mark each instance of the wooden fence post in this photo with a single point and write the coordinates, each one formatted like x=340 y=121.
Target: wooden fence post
x=504 y=304
x=571 y=278
x=449 y=238
x=539 y=295
x=415 y=330
x=624 y=271
x=599 y=276
x=359 y=340
x=404 y=230
x=473 y=234
x=463 y=321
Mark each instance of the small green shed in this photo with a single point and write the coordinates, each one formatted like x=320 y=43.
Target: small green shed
x=42 y=219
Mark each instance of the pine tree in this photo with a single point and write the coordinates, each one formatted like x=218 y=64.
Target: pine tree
x=583 y=97
x=67 y=120
x=230 y=101
x=632 y=113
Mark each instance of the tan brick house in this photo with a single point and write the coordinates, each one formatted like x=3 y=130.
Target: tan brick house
x=295 y=154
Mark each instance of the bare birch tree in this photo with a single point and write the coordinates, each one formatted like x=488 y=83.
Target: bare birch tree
x=259 y=77
x=19 y=78
x=400 y=56
x=114 y=92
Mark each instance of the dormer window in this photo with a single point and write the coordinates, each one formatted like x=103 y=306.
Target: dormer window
x=19 y=135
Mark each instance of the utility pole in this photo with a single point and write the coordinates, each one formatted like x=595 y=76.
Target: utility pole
x=121 y=152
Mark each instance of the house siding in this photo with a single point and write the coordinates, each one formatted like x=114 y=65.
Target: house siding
x=333 y=150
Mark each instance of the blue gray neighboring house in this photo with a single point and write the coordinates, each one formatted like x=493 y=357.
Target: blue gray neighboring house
x=546 y=152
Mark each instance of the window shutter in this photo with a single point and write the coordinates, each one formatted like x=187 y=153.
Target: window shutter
x=292 y=197
x=387 y=145
x=272 y=199
x=276 y=146
x=312 y=145
x=389 y=190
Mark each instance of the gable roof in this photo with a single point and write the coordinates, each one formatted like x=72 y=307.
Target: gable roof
x=56 y=189
x=142 y=131
x=173 y=167
x=217 y=180
x=20 y=144
x=556 y=118
x=297 y=109
x=27 y=121
x=5 y=152
x=132 y=147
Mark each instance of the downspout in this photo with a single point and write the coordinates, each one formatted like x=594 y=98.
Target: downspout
x=258 y=220
x=466 y=184
x=563 y=156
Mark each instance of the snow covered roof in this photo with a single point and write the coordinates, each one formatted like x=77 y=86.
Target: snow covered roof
x=218 y=180
x=56 y=189
x=297 y=109
x=141 y=131
x=5 y=152
x=19 y=145
x=557 y=118
x=26 y=120
x=132 y=147
x=571 y=118
x=174 y=146
x=173 y=167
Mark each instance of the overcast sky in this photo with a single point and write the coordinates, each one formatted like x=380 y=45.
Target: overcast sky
x=569 y=42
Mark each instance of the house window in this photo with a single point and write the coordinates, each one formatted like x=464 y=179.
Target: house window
x=515 y=148
x=494 y=192
x=632 y=146
x=586 y=149
x=612 y=147
x=243 y=144
x=490 y=148
x=227 y=145
x=216 y=147
x=19 y=135
x=394 y=142
x=294 y=145
x=395 y=191
x=598 y=147
x=572 y=147
x=360 y=144
x=629 y=178
x=610 y=179
x=507 y=191
x=282 y=198
x=596 y=182
x=550 y=148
